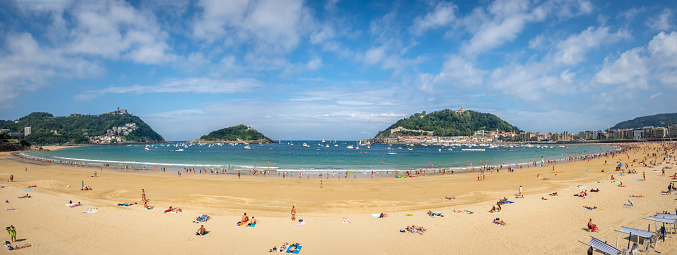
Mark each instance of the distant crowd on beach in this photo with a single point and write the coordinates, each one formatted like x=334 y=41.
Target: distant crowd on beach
x=257 y=172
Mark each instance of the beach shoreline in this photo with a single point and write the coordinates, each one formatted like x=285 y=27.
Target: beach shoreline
x=119 y=229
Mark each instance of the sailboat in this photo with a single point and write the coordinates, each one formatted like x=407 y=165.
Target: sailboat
x=323 y=140
x=247 y=147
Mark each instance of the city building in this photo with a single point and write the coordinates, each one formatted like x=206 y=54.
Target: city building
x=27 y=131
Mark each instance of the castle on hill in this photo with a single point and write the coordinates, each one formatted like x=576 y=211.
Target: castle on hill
x=460 y=111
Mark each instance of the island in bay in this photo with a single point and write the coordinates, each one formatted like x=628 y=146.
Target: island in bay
x=235 y=134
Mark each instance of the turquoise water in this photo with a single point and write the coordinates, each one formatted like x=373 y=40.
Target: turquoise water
x=317 y=157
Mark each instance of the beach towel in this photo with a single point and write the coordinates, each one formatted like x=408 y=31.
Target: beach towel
x=251 y=225
x=375 y=215
x=301 y=223
x=9 y=209
x=125 y=204
x=468 y=212
x=91 y=210
x=298 y=249
x=28 y=190
x=437 y=214
x=629 y=207
x=457 y=210
x=639 y=180
x=203 y=218
x=409 y=214
x=201 y=235
x=615 y=182
x=509 y=202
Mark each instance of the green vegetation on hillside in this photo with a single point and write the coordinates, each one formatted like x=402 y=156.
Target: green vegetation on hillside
x=658 y=120
x=73 y=128
x=233 y=133
x=449 y=123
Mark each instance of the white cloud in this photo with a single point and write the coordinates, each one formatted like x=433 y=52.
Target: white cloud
x=189 y=85
x=630 y=68
x=655 y=95
x=663 y=48
x=456 y=72
x=314 y=63
x=442 y=15
x=662 y=22
x=27 y=66
x=374 y=55
x=630 y=13
x=504 y=20
x=125 y=31
x=573 y=50
x=271 y=26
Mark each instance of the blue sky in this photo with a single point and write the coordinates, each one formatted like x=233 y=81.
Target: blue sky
x=339 y=69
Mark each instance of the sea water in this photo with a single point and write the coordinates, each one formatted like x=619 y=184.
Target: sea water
x=317 y=157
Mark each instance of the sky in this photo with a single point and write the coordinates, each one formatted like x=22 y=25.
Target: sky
x=339 y=69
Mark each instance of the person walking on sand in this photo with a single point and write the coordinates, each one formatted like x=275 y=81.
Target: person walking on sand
x=644 y=175
x=143 y=195
x=520 y=194
x=293 y=213
x=82 y=186
x=320 y=184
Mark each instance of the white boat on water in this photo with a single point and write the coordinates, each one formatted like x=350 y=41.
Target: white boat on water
x=247 y=147
x=179 y=150
x=305 y=145
x=392 y=153
x=350 y=147
x=327 y=145
x=411 y=149
x=323 y=140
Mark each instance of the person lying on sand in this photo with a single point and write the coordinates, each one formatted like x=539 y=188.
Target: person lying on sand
x=666 y=192
x=417 y=230
x=554 y=194
x=543 y=198
x=88 y=188
x=590 y=208
x=498 y=221
x=383 y=215
x=448 y=198
x=26 y=196
x=202 y=231
x=639 y=196
x=594 y=190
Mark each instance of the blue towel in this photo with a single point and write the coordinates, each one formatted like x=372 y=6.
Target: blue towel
x=298 y=249
x=509 y=202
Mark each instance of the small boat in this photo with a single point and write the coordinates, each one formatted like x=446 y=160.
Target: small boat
x=305 y=145
x=179 y=150
x=411 y=149
x=323 y=140
x=392 y=153
x=247 y=147
x=327 y=146
x=349 y=147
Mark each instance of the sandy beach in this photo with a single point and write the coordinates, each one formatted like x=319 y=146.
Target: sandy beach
x=534 y=225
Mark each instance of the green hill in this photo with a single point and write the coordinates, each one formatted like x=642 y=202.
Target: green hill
x=239 y=133
x=448 y=123
x=77 y=128
x=658 y=120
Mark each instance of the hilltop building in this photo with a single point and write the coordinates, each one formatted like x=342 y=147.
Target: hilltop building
x=460 y=111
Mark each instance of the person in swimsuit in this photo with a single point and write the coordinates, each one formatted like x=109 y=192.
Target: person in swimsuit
x=293 y=213
x=202 y=231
